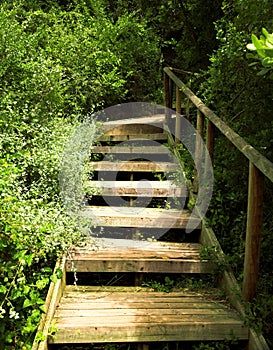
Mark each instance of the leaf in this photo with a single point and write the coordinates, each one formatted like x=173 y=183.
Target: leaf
x=269 y=37
x=251 y=47
x=41 y=284
x=259 y=47
x=250 y=55
x=54 y=278
x=263 y=72
x=253 y=64
x=3 y=289
x=27 y=303
x=59 y=273
x=43 y=308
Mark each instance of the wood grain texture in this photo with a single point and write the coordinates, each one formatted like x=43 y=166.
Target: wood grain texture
x=138 y=188
x=141 y=316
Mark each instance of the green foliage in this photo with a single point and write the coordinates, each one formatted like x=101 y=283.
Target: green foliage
x=264 y=49
x=34 y=229
x=58 y=64
x=160 y=287
x=223 y=345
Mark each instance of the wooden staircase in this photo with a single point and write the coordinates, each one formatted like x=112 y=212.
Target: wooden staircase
x=137 y=242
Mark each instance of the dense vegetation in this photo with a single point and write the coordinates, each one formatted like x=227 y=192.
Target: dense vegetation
x=60 y=61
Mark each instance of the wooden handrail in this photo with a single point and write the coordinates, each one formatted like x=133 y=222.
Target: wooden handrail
x=259 y=167
x=262 y=163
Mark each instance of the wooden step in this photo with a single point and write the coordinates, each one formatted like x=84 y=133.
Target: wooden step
x=105 y=314
x=123 y=255
x=135 y=150
x=140 y=217
x=138 y=188
x=119 y=138
x=134 y=166
x=137 y=129
x=150 y=119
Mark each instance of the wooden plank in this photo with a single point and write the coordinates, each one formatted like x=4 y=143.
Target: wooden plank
x=138 y=256
x=172 y=314
x=140 y=265
x=253 y=232
x=149 y=119
x=90 y=319
x=137 y=188
x=192 y=331
x=141 y=150
x=120 y=138
x=110 y=244
x=143 y=316
x=135 y=129
x=55 y=294
x=133 y=166
x=140 y=217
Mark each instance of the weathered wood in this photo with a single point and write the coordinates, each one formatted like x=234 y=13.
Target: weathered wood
x=256 y=341
x=140 y=217
x=149 y=119
x=167 y=98
x=210 y=139
x=147 y=265
x=136 y=150
x=198 y=150
x=116 y=246
x=253 y=232
x=178 y=116
x=135 y=129
x=210 y=149
x=143 y=317
x=119 y=138
x=137 y=188
x=135 y=166
x=54 y=295
x=188 y=109
x=262 y=163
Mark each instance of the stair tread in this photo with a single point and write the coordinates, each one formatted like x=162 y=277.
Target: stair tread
x=140 y=217
x=151 y=119
x=133 y=166
x=126 y=255
x=118 y=138
x=109 y=315
x=138 y=188
x=159 y=149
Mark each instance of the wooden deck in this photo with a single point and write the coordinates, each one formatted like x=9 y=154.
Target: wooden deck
x=125 y=314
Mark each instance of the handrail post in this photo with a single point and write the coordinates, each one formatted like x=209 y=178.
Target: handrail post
x=178 y=115
x=210 y=148
x=210 y=138
x=188 y=109
x=253 y=232
x=167 y=96
x=198 y=149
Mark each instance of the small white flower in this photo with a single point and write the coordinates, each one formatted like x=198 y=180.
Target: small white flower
x=2 y=312
x=13 y=314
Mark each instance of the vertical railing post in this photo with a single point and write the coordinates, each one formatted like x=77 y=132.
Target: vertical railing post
x=209 y=150
x=188 y=109
x=198 y=149
x=253 y=232
x=178 y=116
x=167 y=97
x=210 y=138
